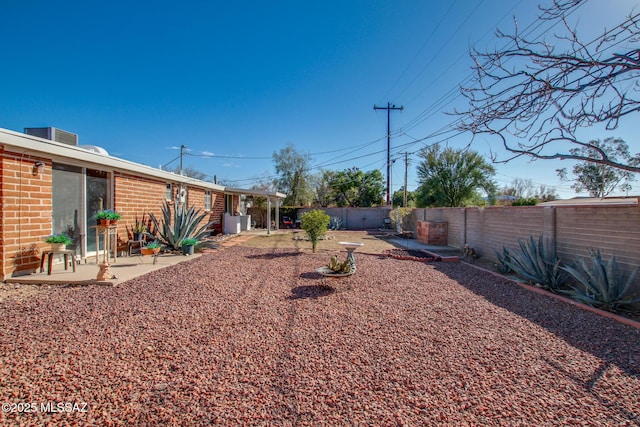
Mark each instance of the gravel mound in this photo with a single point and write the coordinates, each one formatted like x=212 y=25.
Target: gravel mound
x=250 y=336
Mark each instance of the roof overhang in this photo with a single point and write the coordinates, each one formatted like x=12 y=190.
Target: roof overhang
x=33 y=145
x=259 y=193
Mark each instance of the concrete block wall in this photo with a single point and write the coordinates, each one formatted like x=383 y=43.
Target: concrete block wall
x=489 y=229
x=615 y=230
x=357 y=218
x=25 y=211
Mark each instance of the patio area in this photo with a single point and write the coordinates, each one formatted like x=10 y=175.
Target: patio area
x=254 y=336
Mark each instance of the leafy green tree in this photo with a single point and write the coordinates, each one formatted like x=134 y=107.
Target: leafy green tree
x=398 y=198
x=294 y=178
x=315 y=223
x=355 y=188
x=600 y=180
x=322 y=186
x=452 y=178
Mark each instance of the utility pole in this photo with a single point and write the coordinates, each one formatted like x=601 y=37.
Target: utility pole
x=389 y=107
x=406 y=168
x=182 y=147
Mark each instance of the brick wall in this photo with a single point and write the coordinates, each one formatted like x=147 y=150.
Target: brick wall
x=25 y=211
x=26 y=208
x=356 y=218
x=432 y=233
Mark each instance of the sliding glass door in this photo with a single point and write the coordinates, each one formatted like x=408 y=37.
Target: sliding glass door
x=77 y=194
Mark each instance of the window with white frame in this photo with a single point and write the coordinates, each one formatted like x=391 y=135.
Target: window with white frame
x=169 y=194
x=207 y=200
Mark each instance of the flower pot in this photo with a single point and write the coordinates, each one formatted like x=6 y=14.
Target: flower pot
x=149 y=251
x=137 y=236
x=188 y=249
x=105 y=222
x=58 y=246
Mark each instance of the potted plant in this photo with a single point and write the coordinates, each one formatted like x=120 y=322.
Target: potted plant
x=59 y=241
x=150 y=248
x=188 y=246
x=114 y=216
x=139 y=228
x=103 y=217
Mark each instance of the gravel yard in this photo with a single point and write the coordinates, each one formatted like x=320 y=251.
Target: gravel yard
x=253 y=336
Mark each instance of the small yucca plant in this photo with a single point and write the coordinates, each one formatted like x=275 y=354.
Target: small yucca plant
x=601 y=284
x=536 y=264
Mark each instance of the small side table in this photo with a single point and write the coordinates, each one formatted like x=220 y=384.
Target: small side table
x=66 y=253
x=134 y=246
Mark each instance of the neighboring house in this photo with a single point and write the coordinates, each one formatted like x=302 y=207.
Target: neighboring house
x=595 y=201
x=49 y=184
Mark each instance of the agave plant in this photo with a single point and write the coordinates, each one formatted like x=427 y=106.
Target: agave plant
x=535 y=264
x=184 y=225
x=602 y=285
x=335 y=223
x=502 y=267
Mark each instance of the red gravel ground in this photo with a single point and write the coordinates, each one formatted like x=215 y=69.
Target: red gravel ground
x=251 y=336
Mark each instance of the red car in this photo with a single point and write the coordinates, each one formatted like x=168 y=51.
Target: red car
x=286 y=222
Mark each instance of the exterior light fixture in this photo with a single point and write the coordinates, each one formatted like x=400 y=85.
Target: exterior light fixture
x=38 y=168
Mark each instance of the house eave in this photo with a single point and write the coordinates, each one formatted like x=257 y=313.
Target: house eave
x=38 y=146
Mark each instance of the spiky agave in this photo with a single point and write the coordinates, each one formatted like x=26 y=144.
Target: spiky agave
x=536 y=264
x=185 y=225
x=601 y=284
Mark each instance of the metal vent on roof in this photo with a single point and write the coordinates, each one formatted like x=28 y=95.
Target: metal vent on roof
x=54 y=134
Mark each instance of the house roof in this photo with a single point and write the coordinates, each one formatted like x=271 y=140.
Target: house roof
x=594 y=201
x=64 y=152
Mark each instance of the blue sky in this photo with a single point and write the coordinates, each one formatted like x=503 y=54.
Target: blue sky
x=241 y=80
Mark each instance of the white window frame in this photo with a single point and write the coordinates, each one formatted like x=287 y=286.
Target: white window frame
x=207 y=200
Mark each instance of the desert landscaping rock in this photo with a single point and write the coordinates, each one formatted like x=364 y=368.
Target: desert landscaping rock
x=253 y=336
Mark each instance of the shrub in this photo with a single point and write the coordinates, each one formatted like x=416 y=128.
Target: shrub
x=601 y=284
x=400 y=218
x=315 y=223
x=184 y=225
x=535 y=264
x=522 y=201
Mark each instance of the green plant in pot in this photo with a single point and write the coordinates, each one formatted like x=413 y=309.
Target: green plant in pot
x=59 y=241
x=139 y=229
x=151 y=248
x=107 y=216
x=114 y=216
x=188 y=245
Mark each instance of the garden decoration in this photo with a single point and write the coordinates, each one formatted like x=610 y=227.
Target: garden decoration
x=341 y=269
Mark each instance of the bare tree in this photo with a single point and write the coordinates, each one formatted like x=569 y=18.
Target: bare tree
x=534 y=97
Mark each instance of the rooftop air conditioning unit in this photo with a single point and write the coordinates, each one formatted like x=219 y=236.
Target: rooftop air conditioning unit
x=54 y=134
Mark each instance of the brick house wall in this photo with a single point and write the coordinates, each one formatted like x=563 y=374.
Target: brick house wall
x=25 y=211
x=26 y=208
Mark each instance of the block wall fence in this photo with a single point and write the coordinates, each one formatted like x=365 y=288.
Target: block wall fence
x=26 y=208
x=615 y=230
